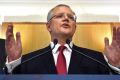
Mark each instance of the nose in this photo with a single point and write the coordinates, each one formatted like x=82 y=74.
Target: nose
x=66 y=18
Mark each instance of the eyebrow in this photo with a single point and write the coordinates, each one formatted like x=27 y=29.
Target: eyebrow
x=63 y=13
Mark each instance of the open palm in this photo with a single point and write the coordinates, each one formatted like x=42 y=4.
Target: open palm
x=13 y=47
x=112 y=51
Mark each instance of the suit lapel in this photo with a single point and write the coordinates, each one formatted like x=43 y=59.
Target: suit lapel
x=49 y=62
x=75 y=62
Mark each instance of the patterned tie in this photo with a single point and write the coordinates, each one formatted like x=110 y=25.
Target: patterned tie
x=61 y=62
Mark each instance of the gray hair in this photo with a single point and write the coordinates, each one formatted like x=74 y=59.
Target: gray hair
x=50 y=13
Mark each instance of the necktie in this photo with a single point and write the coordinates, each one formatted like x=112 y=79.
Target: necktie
x=61 y=62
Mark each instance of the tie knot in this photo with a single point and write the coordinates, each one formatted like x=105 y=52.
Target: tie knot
x=61 y=48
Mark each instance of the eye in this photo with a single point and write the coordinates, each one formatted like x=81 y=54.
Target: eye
x=59 y=16
x=71 y=17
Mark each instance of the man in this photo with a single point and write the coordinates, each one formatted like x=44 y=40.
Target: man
x=2 y=54
x=63 y=57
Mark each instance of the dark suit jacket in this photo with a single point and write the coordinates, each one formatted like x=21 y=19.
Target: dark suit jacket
x=2 y=53
x=79 y=64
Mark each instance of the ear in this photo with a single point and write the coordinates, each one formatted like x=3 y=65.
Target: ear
x=48 y=26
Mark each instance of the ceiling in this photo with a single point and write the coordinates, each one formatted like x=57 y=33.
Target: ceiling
x=93 y=8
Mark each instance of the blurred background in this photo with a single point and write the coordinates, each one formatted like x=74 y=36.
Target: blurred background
x=95 y=19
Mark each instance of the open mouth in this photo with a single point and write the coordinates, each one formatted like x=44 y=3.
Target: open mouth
x=65 y=25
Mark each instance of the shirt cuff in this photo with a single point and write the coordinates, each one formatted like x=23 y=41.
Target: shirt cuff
x=11 y=65
x=111 y=66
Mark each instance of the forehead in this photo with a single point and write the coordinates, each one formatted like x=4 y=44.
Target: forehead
x=62 y=9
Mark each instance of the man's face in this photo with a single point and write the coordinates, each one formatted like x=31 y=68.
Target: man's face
x=63 y=22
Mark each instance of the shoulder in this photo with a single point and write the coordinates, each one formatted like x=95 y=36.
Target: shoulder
x=42 y=52
x=2 y=41
x=2 y=53
x=85 y=49
x=92 y=53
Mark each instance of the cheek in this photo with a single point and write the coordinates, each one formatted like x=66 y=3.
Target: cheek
x=74 y=27
x=53 y=28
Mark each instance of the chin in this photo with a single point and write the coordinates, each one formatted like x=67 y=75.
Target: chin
x=66 y=33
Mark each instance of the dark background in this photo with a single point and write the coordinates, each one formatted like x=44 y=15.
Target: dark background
x=2 y=53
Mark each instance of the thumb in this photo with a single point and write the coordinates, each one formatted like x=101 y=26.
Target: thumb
x=106 y=41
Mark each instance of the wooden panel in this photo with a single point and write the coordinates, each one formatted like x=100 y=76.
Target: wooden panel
x=36 y=36
x=91 y=35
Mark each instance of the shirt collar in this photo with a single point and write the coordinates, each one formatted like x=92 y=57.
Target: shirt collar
x=58 y=45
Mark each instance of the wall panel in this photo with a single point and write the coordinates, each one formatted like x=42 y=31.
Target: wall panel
x=35 y=35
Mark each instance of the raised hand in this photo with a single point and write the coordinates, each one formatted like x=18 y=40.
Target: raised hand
x=13 y=47
x=112 y=51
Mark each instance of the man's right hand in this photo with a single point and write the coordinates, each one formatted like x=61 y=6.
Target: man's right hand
x=13 y=47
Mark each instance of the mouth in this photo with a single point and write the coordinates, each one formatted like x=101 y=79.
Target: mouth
x=65 y=25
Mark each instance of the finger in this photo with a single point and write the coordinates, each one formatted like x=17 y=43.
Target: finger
x=114 y=43
x=106 y=41
x=9 y=31
x=9 y=35
x=8 y=42
x=10 y=28
x=114 y=33
x=118 y=35
x=18 y=39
